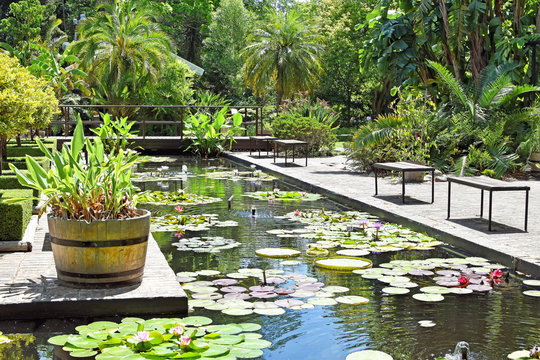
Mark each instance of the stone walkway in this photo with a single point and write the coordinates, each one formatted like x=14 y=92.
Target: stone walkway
x=507 y=244
x=29 y=288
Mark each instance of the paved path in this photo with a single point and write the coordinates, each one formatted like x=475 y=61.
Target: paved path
x=29 y=288
x=507 y=244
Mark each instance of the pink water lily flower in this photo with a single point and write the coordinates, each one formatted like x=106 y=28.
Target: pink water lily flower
x=303 y=193
x=296 y=212
x=142 y=336
x=179 y=234
x=179 y=208
x=176 y=331
x=271 y=198
x=185 y=340
x=497 y=273
x=377 y=225
x=276 y=190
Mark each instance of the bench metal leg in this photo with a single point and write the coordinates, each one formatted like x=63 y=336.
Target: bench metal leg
x=375 y=171
x=275 y=148
x=259 y=149
x=490 y=208
x=449 y=191
x=432 y=186
x=285 y=156
x=482 y=204
x=526 y=207
x=250 y=146
x=403 y=187
x=307 y=153
x=293 y=153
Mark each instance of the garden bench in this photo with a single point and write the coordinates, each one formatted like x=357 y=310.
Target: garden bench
x=263 y=139
x=405 y=167
x=491 y=185
x=289 y=144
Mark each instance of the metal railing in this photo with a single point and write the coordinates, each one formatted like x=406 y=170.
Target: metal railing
x=141 y=113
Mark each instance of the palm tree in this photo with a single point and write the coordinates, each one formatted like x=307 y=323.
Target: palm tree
x=284 y=52
x=122 y=49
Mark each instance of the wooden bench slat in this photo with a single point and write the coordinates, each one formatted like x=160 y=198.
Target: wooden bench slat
x=487 y=183
x=402 y=166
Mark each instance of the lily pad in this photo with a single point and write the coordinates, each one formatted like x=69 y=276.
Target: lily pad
x=353 y=252
x=352 y=300
x=290 y=262
x=369 y=355
x=519 y=355
x=277 y=252
x=534 y=293
x=343 y=263
x=322 y=301
x=395 y=290
x=269 y=312
x=287 y=303
x=237 y=312
x=531 y=282
x=428 y=297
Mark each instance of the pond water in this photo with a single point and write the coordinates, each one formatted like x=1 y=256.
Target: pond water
x=494 y=324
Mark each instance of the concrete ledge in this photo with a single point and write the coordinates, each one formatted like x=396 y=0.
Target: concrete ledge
x=27 y=241
x=415 y=221
x=29 y=288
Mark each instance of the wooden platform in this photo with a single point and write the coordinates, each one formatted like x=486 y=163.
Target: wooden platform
x=29 y=288
x=169 y=143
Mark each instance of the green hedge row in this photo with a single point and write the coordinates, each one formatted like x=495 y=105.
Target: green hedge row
x=20 y=162
x=14 y=218
x=29 y=147
x=8 y=180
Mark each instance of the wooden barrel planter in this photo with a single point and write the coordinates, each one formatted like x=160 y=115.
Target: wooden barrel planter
x=100 y=253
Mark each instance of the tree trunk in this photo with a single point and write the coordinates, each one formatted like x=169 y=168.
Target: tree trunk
x=3 y=141
x=18 y=138
x=478 y=61
x=450 y=57
x=538 y=20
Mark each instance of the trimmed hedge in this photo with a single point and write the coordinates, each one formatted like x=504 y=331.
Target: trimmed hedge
x=9 y=181
x=30 y=147
x=20 y=162
x=14 y=218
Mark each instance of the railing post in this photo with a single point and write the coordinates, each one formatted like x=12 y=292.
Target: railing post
x=66 y=121
x=144 y=124
x=257 y=122
x=182 y=123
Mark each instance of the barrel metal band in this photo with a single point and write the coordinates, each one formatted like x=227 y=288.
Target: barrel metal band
x=100 y=276
x=97 y=244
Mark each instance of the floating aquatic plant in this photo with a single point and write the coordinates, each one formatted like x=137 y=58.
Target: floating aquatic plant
x=188 y=222
x=164 y=338
x=239 y=175
x=277 y=194
x=179 y=197
x=207 y=244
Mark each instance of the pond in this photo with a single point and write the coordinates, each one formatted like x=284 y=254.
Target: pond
x=494 y=323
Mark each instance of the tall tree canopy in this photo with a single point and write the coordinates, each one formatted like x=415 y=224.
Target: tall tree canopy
x=283 y=53
x=122 y=49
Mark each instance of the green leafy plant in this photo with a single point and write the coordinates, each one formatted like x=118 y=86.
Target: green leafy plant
x=211 y=133
x=97 y=189
x=164 y=338
x=115 y=133
x=291 y=126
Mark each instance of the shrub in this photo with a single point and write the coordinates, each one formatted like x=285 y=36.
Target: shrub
x=9 y=181
x=20 y=162
x=317 y=134
x=14 y=218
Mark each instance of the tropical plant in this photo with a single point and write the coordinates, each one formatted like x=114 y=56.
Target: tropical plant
x=302 y=105
x=114 y=133
x=122 y=49
x=211 y=133
x=97 y=189
x=283 y=53
x=25 y=102
x=62 y=78
x=293 y=126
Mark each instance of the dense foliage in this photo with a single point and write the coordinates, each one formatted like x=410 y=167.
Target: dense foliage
x=369 y=62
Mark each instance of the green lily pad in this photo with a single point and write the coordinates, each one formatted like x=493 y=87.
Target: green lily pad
x=254 y=344
x=237 y=312
x=435 y=290
x=520 y=354
x=196 y=320
x=246 y=353
x=428 y=297
x=322 y=301
x=352 y=300
x=343 y=263
x=353 y=252
x=369 y=355
x=395 y=290
x=534 y=293
x=531 y=282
